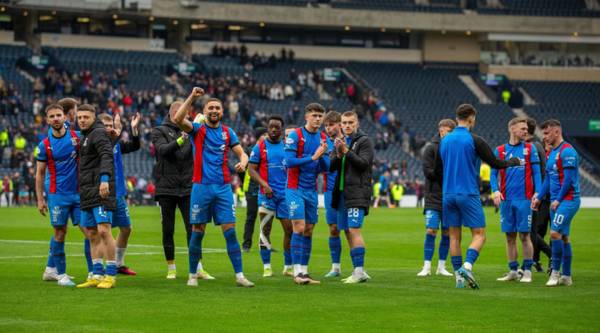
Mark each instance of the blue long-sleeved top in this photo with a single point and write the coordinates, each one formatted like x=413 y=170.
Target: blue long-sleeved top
x=562 y=174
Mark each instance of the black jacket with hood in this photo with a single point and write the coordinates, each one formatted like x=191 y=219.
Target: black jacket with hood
x=96 y=159
x=174 y=164
x=433 y=181
x=357 y=174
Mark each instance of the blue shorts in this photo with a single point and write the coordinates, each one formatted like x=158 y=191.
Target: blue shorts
x=515 y=216
x=275 y=203
x=63 y=206
x=121 y=215
x=463 y=210
x=92 y=217
x=302 y=205
x=562 y=217
x=331 y=214
x=433 y=219
x=212 y=202
x=349 y=217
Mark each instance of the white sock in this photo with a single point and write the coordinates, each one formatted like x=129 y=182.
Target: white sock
x=97 y=261
x=265 y=266
x=297 y=269
x=120 y=255
x=193 y=276
x=172 y=267
x=427 y=265
x=239 y=275
x=304 y=269
x=200 y=268
x=468 y=266
x=358 y=271
x=50 y=269
x=335 y=267
x=61 y=276
x=286 y=267
x=441 y=264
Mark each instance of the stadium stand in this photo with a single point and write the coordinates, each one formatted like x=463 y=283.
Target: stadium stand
x=537 y=8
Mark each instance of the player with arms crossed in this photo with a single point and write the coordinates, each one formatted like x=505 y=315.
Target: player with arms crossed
x=121 y=216
x=97 y=193
x=562 y=182
x=461 y=153
x=352 y=159
x=59 y=156
x=267 y=170
x=212 y=197
x=513 y=196
x=332 y=123
x=306 y=157
x=433 y=204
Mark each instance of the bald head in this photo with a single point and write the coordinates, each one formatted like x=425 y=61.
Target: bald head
x=173 y=109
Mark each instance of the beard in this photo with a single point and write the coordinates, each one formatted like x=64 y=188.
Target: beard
x=211 y=120
x=57 y=127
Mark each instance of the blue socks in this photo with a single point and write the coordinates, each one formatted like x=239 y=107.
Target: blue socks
x=265 y=255
x=287 y=257
x=335 y=247
x=513 y=265
x=557 y=253
x=444 y=247
x=98 y=267
x=472 y=255
x=195 y=250
x=567 y=257
x=456 y=262
x=111 y=268
x=358 y=256
x=429 y=246
x=58 y=254
x=297 y=244
x=50 y=262
x=233 y=250
x=87 y=250
x=306 y=250
x=527 y=263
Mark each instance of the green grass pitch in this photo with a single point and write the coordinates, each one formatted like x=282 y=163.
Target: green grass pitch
x=394 y=300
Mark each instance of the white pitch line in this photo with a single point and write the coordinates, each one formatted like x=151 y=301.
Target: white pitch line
x=180 y=248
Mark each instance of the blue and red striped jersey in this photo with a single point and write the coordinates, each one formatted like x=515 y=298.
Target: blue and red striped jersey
x=269 y=158
x=560 y=158
x=211 y=148
x=304 y=144
x=520 y=182
x=61 y=156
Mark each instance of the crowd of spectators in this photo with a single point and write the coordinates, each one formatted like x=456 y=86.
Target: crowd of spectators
x=253 y=61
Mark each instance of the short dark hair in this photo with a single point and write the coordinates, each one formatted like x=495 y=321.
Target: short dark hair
x=350 y=114
x=54 y=106
x=332 y=117
x=87 y=107
x=450 y=123
x=314 y=107
x=550 y=123
x=212 y=99
x=277 y=118
x=68 y=104
x=259 y=131
x=531 y=126
x=464 y=111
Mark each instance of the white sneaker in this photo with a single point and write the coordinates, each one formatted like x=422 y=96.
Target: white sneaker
x=193 y=280
x=510 y=276
x=554 y=278
x=65 y=281
x=243 y=282
x=441 y=270
x=424 y=272
x=526 y=278
x=565 y=280
x=202 y=274
x=50 y=275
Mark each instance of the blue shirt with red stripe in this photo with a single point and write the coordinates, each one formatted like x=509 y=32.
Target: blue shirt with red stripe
x=211 y=147
x=62 y=162
x=269 y=157
x=330 y=175
x=300 y=145
x=520 y=182
x=562 y=173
